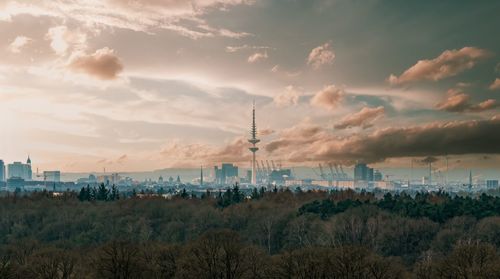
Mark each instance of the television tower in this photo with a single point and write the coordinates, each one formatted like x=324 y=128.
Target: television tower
x=201 y=176
x=254 y=148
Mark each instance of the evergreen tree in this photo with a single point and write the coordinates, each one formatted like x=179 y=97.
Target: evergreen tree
x=220 y=199
x=255 y=194
x=102 y=193
x=184 y=193
x=92 y=194
x=237 y=195
x=262 y=192
x=161 y=191
x=115 y=194
x=208 y=194
x=227 y=197
x=83 y=195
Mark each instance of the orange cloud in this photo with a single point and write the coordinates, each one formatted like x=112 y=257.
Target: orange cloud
x=449 y=63
x=322 y=55
x=329 y=97
x=495 y=85
x=460 y=102
x=289 y=97
x=363 y=118
x=103 y=64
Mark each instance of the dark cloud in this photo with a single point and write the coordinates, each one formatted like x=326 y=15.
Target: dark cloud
x=103 y=64
x=449 y=138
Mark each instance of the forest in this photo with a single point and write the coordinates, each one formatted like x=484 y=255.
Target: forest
x=102 y=233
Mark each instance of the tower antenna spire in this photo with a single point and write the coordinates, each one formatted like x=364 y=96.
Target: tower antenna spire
x=253 y=140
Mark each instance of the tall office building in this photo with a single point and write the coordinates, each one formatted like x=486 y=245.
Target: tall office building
x=363 y=172
x=226 y=174
x=20 y=170
x=2 y=171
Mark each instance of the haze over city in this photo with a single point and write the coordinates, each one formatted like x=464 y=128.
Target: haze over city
x=238 y=139
x=145 y=85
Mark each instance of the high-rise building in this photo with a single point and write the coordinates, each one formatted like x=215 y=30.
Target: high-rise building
x=253 y=140
x=363 y=172
x=2 y=171
x=377 y=175
x=225 y=174
x=201 y=176
x=492 y=183
x=18 y=169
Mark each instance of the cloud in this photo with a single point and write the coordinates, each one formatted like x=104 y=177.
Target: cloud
x=435 y=139
x=329 y=97
x=289 y=97
x=460 y=102
x=303 y=134
x=363 y=118
x=495 y=85
x=258 y=56
x=447 y=64
x=322 y=55
x=192 y=154
x=122 y=159
x=18 y=44
x=62 y=39
x=233 y=49
x=103 y=64
x=181 y=16
x=265 y=132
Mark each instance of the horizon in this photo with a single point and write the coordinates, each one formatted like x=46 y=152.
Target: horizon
x=138 y=86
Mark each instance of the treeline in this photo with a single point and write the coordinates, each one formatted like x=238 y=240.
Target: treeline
x=274 y=234
x=438 y=207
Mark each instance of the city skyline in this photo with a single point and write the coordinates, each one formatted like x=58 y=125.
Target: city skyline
x=145 y=85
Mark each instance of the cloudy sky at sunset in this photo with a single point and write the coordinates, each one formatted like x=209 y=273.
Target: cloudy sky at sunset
x=148 y=84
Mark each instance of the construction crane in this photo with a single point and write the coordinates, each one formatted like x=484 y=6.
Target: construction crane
x=344 y=175
x=259 y=170
x=331 y=171
x=268 y=167
x=264 y=167
x=315 y=172
x=337 y=171
x=322 y=174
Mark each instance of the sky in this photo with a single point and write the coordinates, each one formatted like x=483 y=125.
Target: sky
x=137 y=85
